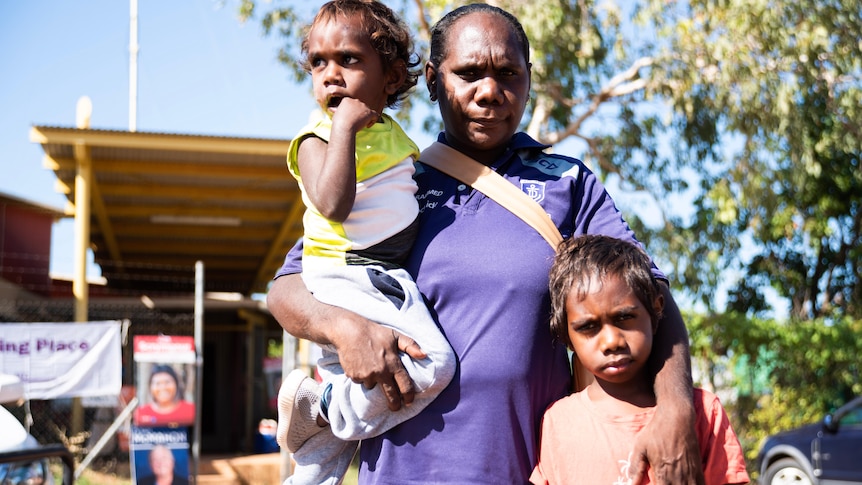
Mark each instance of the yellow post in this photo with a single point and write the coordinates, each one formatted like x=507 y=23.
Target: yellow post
x=83 y=187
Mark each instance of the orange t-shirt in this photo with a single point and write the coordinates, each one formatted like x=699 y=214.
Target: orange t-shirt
x=580 y=444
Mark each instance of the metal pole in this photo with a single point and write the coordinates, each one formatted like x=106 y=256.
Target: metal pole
x=199 y=351
x=133 y=65
x=110 y=432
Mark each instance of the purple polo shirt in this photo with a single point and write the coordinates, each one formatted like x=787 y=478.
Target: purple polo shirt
x=484 y=273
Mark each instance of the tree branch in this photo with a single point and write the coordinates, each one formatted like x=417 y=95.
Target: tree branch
x=619 y=85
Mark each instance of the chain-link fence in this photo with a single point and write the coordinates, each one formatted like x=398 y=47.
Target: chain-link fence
x=79 y=424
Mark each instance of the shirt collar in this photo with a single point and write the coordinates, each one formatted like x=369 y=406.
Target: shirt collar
x=519 y=141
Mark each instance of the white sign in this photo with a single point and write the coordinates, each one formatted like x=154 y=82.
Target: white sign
x=56 y=360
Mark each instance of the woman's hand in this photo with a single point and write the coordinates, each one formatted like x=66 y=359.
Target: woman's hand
x=668 y=444
x=368 y=352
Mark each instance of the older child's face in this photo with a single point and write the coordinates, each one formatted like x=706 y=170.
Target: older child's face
x=344 y=64
x=610 y=329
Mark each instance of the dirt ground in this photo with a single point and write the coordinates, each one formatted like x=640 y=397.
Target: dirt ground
x=116 y=473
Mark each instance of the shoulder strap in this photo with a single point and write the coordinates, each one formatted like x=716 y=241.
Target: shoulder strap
x=492 y=184
x=480 y=177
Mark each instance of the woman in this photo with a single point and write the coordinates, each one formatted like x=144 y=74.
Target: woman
x=167 y=407
x=485 y=275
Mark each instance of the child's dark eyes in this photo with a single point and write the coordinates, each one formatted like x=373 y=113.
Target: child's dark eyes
x=585 y=327
x=345 y=60
x=622 y=317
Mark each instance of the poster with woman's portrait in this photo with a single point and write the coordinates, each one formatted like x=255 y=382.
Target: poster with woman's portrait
x=165 y=381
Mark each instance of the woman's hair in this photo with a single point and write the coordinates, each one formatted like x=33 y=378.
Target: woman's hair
x=166 y=369
x=588 y=259
x=385 y=30
x=440 y=31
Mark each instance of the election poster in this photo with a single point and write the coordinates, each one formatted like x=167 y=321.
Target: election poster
x=63 y=360
x=165 y=374
x=160 y=455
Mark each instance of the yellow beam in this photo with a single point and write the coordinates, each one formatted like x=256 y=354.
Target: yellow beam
x=105 y=227
x=179 y=168
x=276 y=249
x=159 y=231
x=179 y=262
x=246 y=215
x=193 y=192
x=190 y=247
x=157 y=141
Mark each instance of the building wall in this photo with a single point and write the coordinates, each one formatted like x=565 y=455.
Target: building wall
x=25 y=247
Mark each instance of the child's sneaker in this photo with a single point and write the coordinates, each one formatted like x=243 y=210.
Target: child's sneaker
x=298 y=407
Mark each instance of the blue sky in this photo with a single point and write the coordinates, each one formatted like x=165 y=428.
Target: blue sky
x=200 y=71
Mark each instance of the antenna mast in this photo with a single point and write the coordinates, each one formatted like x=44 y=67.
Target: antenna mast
x=133 y=65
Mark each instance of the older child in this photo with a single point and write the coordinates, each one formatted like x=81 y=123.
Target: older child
x=606 y=305
x=355 y=166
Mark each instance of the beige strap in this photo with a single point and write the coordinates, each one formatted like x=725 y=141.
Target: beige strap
x=480 y=177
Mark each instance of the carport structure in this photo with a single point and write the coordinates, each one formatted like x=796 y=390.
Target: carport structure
x=161 y=200
x=150 y=205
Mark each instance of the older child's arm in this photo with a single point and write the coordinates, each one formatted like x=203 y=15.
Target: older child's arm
x=328 y=171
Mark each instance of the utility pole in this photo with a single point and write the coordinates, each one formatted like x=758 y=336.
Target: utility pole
x=133 y=65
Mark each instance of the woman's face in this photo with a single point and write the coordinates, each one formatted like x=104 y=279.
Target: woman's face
x=482 y=85
x=163 y=388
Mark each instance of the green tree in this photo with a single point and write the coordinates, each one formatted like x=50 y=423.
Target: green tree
x=748 y=112
x=783 y=374
x=767 y=99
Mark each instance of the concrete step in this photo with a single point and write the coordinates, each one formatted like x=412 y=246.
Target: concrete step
x=262 y=469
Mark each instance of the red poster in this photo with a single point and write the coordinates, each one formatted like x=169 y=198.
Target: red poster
x=166 y=380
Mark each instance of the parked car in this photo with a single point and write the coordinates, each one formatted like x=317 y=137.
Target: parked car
x=23 y=461
x=828 y=452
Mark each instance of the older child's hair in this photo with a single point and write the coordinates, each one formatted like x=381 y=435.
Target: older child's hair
x=587 y=259
x=385 y=30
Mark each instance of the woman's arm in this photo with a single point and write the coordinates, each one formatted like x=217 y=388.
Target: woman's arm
x=368 y=352
x=669 y=442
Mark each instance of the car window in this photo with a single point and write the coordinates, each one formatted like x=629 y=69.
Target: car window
x=852 y=418
x=24 y=473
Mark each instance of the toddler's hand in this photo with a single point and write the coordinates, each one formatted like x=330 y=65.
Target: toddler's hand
x=354 y=114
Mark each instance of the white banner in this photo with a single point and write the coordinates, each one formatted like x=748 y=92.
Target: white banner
x=56 y=360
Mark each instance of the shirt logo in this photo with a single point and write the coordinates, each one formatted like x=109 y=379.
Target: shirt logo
x=534 y=188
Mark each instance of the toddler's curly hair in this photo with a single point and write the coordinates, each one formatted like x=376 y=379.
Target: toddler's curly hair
x=386 y=31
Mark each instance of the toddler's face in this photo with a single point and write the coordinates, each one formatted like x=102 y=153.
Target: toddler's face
x=344 y=64
x=610 y=329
